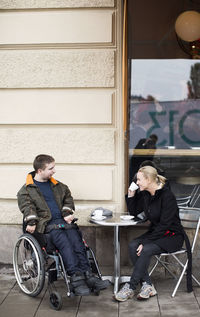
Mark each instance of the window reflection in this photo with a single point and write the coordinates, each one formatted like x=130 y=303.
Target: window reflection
x=164 y=101
x=165 y=104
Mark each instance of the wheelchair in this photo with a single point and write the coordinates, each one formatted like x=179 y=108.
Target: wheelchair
x=30 y=262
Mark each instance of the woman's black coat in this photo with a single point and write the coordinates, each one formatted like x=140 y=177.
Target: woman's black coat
x=162 y=212
x=165 y=227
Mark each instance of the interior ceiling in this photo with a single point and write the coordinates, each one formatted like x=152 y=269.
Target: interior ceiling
x=151 y=32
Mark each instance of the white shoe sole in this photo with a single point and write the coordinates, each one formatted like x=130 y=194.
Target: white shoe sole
x=153 y=293
x=119 y=299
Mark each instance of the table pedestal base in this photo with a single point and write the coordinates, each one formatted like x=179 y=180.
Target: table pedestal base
x=116 y=280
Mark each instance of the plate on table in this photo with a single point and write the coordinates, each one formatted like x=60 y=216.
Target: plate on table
x=98 y=218
x=127 y=217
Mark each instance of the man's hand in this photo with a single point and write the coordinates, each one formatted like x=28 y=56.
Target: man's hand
x=69 y=218
x=139 y=249
x=31 y=229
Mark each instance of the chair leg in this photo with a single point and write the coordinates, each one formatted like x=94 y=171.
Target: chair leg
x=177 y=259
x=184 y=267
x=158 y=260
x=168 y=270
x=155 y=265
x=181 y=276
x=194 y=278
x=179 y=280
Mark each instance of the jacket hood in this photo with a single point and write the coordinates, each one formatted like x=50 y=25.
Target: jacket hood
x=158 y=192
x=30 y=176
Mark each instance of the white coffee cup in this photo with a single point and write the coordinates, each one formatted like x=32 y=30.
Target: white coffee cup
x=133 y=186
x=98 y=213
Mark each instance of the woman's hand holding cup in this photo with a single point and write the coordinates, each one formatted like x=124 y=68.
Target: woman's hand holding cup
x=132 y=188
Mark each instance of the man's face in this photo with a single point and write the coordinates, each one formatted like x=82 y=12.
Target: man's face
x=48 y=172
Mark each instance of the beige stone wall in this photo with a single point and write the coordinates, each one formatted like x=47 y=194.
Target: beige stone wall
x=28 y=4
x=57 y=68
x=60 y=92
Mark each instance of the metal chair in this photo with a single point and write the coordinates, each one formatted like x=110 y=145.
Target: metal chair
x=190 y=200
x=191 y=217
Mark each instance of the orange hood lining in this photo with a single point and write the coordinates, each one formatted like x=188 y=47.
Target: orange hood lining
x=29 y=180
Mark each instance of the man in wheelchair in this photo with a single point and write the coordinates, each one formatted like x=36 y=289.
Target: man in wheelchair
x=48 y=207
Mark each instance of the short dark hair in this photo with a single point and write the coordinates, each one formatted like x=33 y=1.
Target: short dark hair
x=41 y=160
x=148 y=163
x=153 y=137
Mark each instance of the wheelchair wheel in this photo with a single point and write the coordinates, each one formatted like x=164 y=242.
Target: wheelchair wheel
x=55 y=301
x=28 y=265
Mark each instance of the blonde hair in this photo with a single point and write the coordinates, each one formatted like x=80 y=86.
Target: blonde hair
x=151 y=173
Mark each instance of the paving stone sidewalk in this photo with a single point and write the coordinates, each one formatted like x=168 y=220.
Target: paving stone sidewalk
x=13 y=303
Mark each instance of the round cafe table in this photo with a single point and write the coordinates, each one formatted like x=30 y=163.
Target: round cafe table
x=116 y=222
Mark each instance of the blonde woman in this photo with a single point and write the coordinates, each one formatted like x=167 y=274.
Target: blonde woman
x=165 y=232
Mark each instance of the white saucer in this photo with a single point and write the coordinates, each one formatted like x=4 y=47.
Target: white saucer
x=127 y=217
x=98 y=218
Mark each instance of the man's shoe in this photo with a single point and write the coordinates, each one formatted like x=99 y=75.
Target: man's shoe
x=125 y=293
x=79 y=285
x=146 y=291
x=95 y=283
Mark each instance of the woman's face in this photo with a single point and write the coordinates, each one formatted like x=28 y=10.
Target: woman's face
x=142 y=182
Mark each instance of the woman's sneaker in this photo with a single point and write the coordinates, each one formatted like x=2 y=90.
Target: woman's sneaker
x=146 y=291
x=125 y=293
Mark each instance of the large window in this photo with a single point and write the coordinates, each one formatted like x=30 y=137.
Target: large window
x=164 y=100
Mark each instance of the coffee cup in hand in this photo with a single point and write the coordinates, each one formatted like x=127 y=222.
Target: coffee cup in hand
x=133 y=186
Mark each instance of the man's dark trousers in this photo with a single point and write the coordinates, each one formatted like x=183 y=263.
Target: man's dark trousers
x=72 y=249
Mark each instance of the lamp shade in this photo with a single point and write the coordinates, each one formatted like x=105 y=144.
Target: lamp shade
x=187 y=26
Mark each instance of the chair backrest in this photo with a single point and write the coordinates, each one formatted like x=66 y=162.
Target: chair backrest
x=190 y=218
x=195 y=195
x=192 y=200
x=183 y=201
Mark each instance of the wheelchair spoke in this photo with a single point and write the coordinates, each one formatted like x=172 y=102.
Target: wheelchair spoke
x=28 y=265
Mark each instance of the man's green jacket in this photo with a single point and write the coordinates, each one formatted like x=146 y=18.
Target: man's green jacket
x=34 y=207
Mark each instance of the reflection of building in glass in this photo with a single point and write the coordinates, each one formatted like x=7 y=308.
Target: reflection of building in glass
x=164 y=79
x=194 y=82
x=175 y=117
x=177 y=124
x=136 y=161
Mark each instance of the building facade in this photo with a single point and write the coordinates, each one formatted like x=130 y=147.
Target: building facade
x=61 y=94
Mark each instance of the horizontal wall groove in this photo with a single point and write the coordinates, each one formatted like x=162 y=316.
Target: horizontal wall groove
x=5 y=200
x=59 y=88
x=89 y=203
x=56 y=125
x=94 y=127
x=59 y=46
x=25 y=10
x=60 y=164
